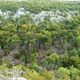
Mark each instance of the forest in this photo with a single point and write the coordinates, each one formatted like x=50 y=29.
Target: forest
x=39 y=40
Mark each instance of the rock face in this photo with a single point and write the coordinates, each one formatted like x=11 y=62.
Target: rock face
x=19 y=78
x=19 y=12
x=14 y=78
x=54 y=15
x=14 y=73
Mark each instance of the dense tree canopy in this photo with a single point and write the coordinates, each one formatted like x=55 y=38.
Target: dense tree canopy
x=49 y=50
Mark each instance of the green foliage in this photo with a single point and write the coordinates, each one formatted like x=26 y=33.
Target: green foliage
x=36 y=6
x=52 y=61
x=49 y=45
x=34 y=66
x=17 y=55
x=33 y=75
x=74 y=73
x=63 y=74
x=49 y=75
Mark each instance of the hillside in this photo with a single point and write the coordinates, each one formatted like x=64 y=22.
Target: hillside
x=39 y=40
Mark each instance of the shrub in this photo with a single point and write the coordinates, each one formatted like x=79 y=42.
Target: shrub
x=33 y=75
x=52 y=61
x=64 y=60
x=49 y=75
x=75 y=60
x=34 y=66
x=74 y=73
x=73 y=52
x=63 y=74
x=69 y=60
x=16 y=55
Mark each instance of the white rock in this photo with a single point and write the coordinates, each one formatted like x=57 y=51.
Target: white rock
x=14 y=78
x=1 y=12
x=22 y=78
x=17 y=78
x=20 y=12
